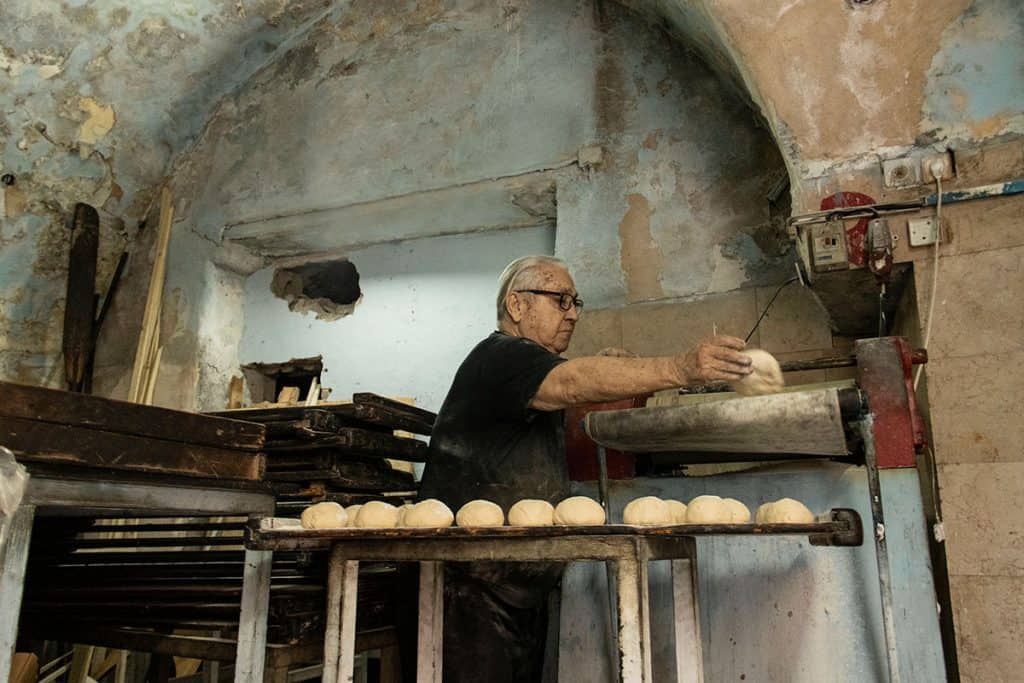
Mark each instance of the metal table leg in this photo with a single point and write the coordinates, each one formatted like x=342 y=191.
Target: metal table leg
x=252 y=625
x=686 y=619
x=430 y=639
x=12 y=580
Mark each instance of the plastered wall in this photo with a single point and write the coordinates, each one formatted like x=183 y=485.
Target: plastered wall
x=425 y=304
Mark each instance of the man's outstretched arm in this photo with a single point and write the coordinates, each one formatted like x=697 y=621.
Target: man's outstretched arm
x=594 y=379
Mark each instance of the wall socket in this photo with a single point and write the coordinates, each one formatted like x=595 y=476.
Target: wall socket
x=922 y=231
x=944 y=158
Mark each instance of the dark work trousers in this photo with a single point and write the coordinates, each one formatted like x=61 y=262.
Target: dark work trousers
x=486 y=639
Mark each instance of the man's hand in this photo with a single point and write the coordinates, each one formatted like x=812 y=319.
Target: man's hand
x=717 y=358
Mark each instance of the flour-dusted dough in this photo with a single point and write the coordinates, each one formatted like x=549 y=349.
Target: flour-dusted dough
x=377 y=515
x=678 y=511
x=647 y=511
x=738 y=512
x=478 y=513
x=353 y=512
x=707 y=510
x=784 y=511
x=429 y=514
x=531 y=512
x=402 y=512
x=325 y=515
x=766 y=377
x=579 y=511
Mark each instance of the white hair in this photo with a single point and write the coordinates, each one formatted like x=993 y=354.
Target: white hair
x=518 y=273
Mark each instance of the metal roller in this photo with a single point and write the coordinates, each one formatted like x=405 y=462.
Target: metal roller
x=803 y=422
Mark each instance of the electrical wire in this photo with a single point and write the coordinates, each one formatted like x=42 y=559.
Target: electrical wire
x=770 y=302
x=935 y=269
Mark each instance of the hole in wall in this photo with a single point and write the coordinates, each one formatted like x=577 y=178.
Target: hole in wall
x=266 y=381
x=328 y=289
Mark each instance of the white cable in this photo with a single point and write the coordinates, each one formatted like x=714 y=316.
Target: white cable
x=936 y=170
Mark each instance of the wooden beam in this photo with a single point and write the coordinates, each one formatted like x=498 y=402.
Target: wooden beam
x=46 y=442
x=423 y=418
x=78 y=410
x=80 y=306
x=357 y=441
x=150 y=499
x=151 y=314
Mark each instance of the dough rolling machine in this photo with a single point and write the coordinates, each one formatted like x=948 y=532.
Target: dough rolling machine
x=872 y=423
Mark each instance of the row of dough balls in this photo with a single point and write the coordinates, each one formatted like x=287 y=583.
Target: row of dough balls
x=433 y=514
x=653 y=511
x=574 y=511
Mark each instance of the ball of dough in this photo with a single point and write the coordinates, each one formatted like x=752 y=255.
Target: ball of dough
x=377 y=515
x=353 y=512
x=766 y=377
x=784 y=511
x=738 y=512
x=677 y=510
x=707 y=510
x=480 y=513
x=531 y=512
x=325 y=515
x=429 y=514
x=579 y=511
x=647 y=511
x=402 y=512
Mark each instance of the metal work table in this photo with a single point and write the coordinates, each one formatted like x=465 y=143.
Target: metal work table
x=628 y=548
x=69 y=496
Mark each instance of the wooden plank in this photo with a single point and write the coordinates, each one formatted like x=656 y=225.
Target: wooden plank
x=80 y=307
x=358 y=441
x=424 y=418
x=633 y=664
x=347 y=627
x=14 y=554
x=52 y=443
x=66 y=408
x=154 y=296
x=80 y=663
x=144 y=498
x=686 y=620
x=430 y=638
x=332 y=628
x=383 y=416
x=252 y=626
x=358 y=475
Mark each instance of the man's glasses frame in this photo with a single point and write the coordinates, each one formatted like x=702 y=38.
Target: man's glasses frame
x=565 y=301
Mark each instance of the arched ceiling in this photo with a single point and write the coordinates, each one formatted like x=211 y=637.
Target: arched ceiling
x=125 y=87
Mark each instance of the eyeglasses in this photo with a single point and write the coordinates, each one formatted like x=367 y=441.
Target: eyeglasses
x=565 y=301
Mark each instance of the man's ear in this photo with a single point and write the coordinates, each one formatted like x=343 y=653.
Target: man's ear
x=514 y=306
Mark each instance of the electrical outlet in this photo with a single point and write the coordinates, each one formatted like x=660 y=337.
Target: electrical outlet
x=945 y=158
x=922 y=231
x=902 y=172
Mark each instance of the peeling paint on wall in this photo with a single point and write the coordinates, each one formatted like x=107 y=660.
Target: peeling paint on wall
x=642 y=261
x=99 y=121
x=974 y=89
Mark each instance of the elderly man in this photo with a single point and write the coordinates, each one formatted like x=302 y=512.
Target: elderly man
x=499 y=436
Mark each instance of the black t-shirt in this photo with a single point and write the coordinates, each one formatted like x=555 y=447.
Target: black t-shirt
x=487 y=442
